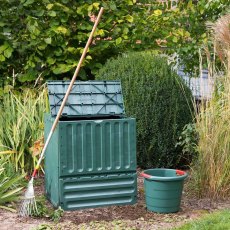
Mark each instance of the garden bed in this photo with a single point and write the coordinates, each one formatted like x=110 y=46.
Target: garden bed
x=119 y=217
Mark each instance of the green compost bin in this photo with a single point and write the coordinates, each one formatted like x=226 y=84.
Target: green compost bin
x=91 y=158
x=163 y=189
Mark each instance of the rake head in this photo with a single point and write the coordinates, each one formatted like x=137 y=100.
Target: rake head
x=28 y=205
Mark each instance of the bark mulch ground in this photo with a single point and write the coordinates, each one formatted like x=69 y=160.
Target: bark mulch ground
x=116 y=217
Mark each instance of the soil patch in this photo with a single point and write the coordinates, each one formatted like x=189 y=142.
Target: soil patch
x=116 y=217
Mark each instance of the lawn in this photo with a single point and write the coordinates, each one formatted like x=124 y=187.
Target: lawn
x=216 y=221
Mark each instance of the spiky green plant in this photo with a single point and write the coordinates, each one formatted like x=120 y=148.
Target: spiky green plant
x=9 y=185
x=21 y=123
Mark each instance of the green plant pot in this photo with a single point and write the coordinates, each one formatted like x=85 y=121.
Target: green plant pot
x=163 y=189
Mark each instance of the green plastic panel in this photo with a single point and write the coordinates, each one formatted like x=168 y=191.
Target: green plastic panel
x=97 y=191
x=91 y=163
x=95 y=146
x=163 y=197
x=87 y=98
x=51 y=165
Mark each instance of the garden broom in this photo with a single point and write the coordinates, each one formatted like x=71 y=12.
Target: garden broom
x=28 y=205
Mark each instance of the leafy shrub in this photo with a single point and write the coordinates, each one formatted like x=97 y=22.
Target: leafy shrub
x=45 y=39
x=216 y=220
x=158 y=99
x=188 y=140
x=45 y=210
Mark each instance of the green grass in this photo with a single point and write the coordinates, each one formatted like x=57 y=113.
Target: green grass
x=152 y=91
x=216 y=221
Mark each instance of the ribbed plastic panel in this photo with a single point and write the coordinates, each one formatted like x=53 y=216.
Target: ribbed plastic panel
x=96 y=191
x=87 y=98
x=51 y=165
x=97 y=146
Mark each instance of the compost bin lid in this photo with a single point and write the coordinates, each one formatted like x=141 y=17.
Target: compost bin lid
x=87 y=98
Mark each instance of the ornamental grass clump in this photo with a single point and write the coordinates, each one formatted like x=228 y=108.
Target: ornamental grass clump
x=21 y=122
x=158 y=99
x=211 y=169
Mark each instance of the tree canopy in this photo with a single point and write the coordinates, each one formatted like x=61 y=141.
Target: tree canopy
x=45 y=38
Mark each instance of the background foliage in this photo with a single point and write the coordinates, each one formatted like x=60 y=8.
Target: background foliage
x=181 y=29
x=44 y=39
x=158 y=99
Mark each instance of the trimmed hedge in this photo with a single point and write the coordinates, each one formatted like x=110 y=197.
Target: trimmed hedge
x=159 y=100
